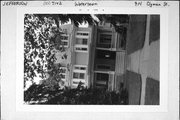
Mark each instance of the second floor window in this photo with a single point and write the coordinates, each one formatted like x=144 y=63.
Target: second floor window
x=82 y=33
x=105 y=38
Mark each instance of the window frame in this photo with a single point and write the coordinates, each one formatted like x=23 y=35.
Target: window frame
x=97 y=66
x=102 y=34
x=64 y=73
x=81 y=47
x=78 y=34
x=75 y=72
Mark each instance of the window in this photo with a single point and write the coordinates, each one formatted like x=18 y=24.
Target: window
x=81 y=49
x=80 y=68
x=77 y=75
x=102 y=80
x=81 y=41
x=82 y=34
x=62 y=69
x=84 y=41
x=64 y=37
x=64 y=43
x=62 y=72
x=84 y=49
x=105 y=38
x=102 y=77
x=104 y=54
x=81 y=75
x=106 y=67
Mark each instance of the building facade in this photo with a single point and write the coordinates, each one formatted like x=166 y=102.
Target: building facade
x=76 y=42
x=108 y=60
x=94 y=56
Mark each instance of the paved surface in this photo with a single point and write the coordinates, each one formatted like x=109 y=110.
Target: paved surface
x=134 y=87
x=145 y=60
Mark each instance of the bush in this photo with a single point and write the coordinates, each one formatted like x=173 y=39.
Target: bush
x=39 y=94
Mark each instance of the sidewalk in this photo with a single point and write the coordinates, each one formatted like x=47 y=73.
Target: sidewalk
x=144 y=64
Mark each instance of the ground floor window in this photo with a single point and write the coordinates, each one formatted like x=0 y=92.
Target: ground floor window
x=101 y=80
x=78 y=75
x=102 y=76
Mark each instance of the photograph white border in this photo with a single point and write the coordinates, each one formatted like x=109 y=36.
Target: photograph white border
x=163 y=107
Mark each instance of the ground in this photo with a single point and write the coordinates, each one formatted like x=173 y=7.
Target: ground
x=143 y=59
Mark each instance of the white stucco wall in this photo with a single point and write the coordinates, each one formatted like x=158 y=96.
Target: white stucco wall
x=81 y=58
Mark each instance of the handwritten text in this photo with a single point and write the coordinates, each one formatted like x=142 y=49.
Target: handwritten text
x=14 y=3
x=85 y=4
x=151 y=4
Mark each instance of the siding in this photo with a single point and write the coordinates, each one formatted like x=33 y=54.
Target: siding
x=119 y=67
x=118 y=80
x=111 y=82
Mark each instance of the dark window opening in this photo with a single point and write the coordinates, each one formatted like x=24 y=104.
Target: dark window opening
x=75 y=75
x=105 y=38
x=104 y=54
x=102 y=77
x=84 y=41
x=78 y=75
x=106 y=67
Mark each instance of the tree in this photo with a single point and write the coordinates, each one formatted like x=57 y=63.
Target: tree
x=42 y=37
x=39 y=42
